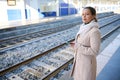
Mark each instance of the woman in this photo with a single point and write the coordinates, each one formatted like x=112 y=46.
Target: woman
x=87 y=44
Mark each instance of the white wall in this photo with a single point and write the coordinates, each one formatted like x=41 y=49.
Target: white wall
x=3 y=11
x=4 y=7
x=34 y=9
x=21 y=5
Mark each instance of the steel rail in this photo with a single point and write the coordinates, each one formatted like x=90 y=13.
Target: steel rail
x=21 y=39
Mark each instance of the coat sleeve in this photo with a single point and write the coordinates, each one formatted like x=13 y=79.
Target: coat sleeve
x=95 y=40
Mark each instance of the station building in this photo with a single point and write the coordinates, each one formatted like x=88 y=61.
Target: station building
x=11 y=10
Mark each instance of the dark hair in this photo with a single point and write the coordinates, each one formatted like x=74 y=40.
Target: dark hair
x=92 y=10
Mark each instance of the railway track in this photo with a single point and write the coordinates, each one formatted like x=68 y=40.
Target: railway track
x=18 y=41
x=52 y=71
x=26 y=34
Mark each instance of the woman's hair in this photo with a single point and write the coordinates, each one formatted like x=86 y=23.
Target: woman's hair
x=92 y=10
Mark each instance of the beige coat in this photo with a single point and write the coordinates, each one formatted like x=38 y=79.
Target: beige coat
x=87 y=47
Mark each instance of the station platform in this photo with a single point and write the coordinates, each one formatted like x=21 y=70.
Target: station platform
x=111 y=71
x=18 y=23
x=108 y=63
x=29 y=22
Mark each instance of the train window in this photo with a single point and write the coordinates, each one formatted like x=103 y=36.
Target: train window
x=11 y=2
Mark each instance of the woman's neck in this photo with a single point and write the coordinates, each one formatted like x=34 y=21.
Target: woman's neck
x=86 y=23
x=89 y=22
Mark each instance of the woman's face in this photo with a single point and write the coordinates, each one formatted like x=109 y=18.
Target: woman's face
x=87 y=16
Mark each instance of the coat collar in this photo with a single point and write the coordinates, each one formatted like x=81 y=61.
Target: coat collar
x=84 y=28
